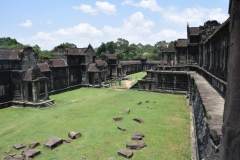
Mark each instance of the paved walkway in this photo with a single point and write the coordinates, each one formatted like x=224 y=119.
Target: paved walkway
x=213 y=102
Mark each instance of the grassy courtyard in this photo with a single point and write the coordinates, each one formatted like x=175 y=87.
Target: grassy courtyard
x=90 y=111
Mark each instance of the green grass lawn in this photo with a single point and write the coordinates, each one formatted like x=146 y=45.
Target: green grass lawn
x=90 y=111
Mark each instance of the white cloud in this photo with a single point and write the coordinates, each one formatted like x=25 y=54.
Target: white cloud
x=167 y=35
x=147 y=4
x=194 y=16
x=49 y=22
x=86 y=8
x=27 y=24
x=134 y=29
x=104 y=7
x=82 y=34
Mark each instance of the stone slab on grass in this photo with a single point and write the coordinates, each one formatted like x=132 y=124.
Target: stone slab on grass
x=136 y=145
x=137 y=138
x=125 y=153
x=127 y=111
x=121 y=128
x=31 y=153
x=74 y=135
x=53 y=142
x=33 y=145
x=138 y=134
x=139 y=120
x=19 y=146
x=13 y=157
x=119 y=118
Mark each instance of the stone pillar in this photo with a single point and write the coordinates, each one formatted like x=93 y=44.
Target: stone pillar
x=93 y=77
x=38 y=91
x=26 y=91
x=99 y=79
x=67 y=72
x=51 y=80
x=46 y=89
x=34 y=92
x=230 y=147
x=105 y=77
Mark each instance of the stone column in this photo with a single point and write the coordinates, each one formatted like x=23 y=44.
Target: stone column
x=67 y=72
x=230 y=147
x=105 y=77
x=51 y=79
x=46 y=89
x=26 y=91
x=34 y=92
x=99 y=79
x=38 y=91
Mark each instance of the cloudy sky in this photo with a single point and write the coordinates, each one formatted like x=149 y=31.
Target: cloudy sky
x=51 y=22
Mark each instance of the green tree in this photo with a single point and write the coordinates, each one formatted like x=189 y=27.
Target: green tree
x=7 y=42
x=110 y=47
x=158 y=49
x=101 y=49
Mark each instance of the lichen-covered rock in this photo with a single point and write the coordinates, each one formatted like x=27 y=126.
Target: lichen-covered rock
x=53 y=142
x=125 y=153
x=13 y=157
x=19 y=146
x=74 y=135
x=134 y=137
x=139 y=103
x=33 y=145
x=67 y=140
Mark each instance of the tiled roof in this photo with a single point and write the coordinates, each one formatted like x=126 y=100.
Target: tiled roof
x=34 y=74
x=100 y=63
x=10 y=54
x=76 y=51
x=58 y=62
x=94 y=68
x=182 y=43
x=194 y=31
x=170 y=48
x=44 y=67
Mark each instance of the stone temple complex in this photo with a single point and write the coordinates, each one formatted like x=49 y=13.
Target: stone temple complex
x=204 y=66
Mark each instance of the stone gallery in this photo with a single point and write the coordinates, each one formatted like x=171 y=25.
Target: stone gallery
x=204 y=66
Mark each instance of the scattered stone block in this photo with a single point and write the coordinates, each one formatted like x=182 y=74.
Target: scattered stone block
x=125 y=153
x=146 y=101
x=111 y=158
x=30 y=153
x=139 y=120
x=121 y=128
x=136 y=145
x=13 y=157
x=33 y=145
x=83 y=157
x=19 y=146
x=139 y=103
x=137 y=138
x=138 y=134
x=53 y=142
x=127 y=111
x=74 y=135
x=119 y=118
x=67 y=140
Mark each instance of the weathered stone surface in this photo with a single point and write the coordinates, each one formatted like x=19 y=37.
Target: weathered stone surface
x=30 y=153
x=136 y=145
x=138 y=134
x=119 y=118
x=134 y=137
x=139 y=103
x=19 y=146
x=53 y=142
x=8 y=151
x=125 y=153
x=139 y=120
x=111 y=158
x=74 y=135
x=127 y=111
x=215 y=137
x=121 y=128
x=67 y=140
x=13 y=157
x=33 y=145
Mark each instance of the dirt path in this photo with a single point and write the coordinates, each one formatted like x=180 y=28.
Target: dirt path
x=128 y=83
